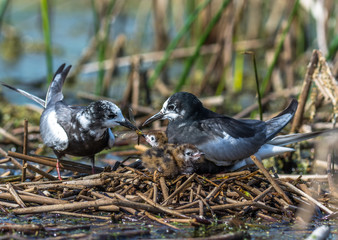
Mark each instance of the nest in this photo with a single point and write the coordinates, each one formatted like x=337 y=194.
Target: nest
x=192 y=199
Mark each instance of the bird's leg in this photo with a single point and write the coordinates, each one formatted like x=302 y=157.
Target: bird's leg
x=92 y=158
x=58 y=169
x=58 y=157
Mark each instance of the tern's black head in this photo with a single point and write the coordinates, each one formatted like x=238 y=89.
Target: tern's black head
x=181 y=105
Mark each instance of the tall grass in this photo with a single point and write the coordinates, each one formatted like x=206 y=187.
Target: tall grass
x=47 y=39
x=173 y=44
x=102 y=28
x=190 y=62
x=3 y=7
x=279 y=47
x=259 y=95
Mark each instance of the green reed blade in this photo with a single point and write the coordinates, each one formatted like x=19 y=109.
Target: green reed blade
x=47 y=39
x=279 y=47
x=201 y=41
x=171 y=47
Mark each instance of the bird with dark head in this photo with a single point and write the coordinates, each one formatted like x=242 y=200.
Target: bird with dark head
x=75 y=130
x=226 y=141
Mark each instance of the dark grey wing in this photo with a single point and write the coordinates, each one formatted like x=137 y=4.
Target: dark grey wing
x=223 y=140
x=54 y=93
x=65 y=115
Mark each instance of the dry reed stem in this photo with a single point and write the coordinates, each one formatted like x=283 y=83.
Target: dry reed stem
x=161 y=208
x=15 y=195
x=180 y=188
x=160 y=220
x=311 y=199
x=64 y=207
x=298 y=118
x=64 y=164
x=32 y=199
x=19 y=166
x=271 y=180
x=42 y=173
x=164 y=188
x=80 y=215
x=25 y=149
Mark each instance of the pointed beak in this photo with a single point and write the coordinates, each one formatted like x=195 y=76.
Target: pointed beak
x=128 y=124
x=157 y=116
x=198 y=154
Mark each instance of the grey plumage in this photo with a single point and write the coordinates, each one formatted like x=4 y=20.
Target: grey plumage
x=75 y=130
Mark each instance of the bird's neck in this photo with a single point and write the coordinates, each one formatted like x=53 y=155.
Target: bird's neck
x=199 y=114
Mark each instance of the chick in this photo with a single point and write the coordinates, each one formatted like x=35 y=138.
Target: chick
x=198 y=163
x=156 y=138
x=172 y=160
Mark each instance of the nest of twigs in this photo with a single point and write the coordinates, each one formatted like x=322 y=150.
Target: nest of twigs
x=192 y=199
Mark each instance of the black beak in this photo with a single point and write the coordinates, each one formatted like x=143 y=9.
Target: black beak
x=128 y=124
x=157 y=116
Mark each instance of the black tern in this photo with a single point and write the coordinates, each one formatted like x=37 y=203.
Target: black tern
x=226 y=141
x=75 y=130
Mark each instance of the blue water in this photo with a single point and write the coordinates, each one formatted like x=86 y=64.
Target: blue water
x=72 y=26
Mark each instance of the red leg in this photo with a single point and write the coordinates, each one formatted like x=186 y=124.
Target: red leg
x=58 y=169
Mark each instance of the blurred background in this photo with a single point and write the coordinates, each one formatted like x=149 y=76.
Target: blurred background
x=139 y=52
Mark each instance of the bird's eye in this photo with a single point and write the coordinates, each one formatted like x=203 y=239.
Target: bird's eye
x=171 y=107
x=111 y=116
x=189 y=153
x=152 y=138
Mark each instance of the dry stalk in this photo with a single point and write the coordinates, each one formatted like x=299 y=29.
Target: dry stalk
x=161 y=208
x=15 y=195
x=271 y=180
x=311 y=199
x=180 y=188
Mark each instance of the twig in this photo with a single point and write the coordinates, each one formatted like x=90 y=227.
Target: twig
x=163 y=209
x=298 y=118
x=311 y=199
x=271 y=180
x=160 y=220
x=180 y=188
x=24 y=150
x=81 y=215
x=39 y=171
x=164 y=188
x=15 y=195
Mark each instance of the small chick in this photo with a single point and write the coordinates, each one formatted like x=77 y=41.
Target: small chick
x=156 y=138
x=198 y=164
x=172 y=160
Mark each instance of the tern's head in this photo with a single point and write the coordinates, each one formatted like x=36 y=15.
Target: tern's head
x=105 y=114
x=181 y=105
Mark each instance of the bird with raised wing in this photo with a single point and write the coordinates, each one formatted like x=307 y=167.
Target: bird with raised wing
x=75 y=130
x=225 y=141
